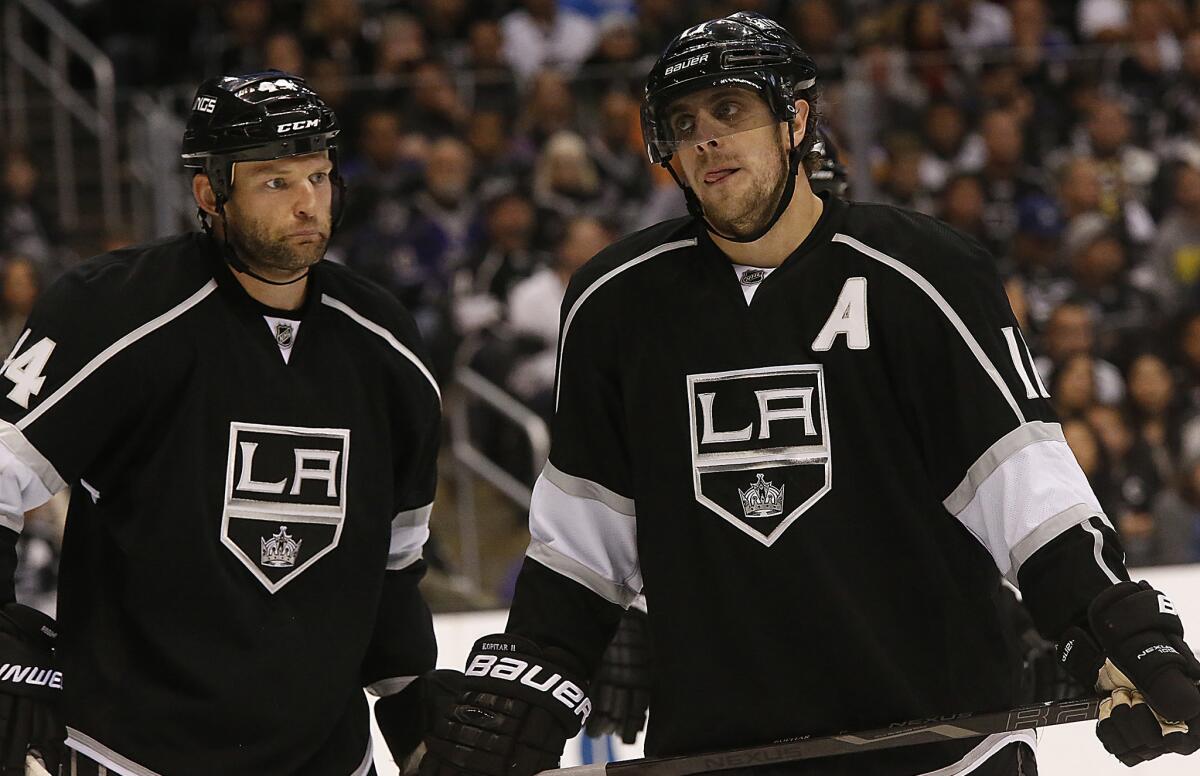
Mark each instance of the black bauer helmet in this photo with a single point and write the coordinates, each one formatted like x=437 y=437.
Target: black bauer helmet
x=255 y=118
x=744 y=50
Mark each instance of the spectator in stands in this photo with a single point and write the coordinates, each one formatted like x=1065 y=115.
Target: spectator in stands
x=567 y=184
x=398 y=50
x=1036 y=257
x=1177 y=518
x=411 y=246
x=1131 y=466
x=1099 y=269
x=1071 y=330
x=1073 y=387
x=1181 y=103
x=1085 y=445
x=540 y=34
x=901 y=184
x=961 y=205
x=27 y=225
x=378 y=172
x=1154 y=409
x=1175 y=253
x=1126 y=170
x=618 y=160
x=819 y=30
x=447 y=23
x=549 y=108
x=933 y=71
x=282 y=50
x=436 y=109
x=614 y=63
x=19 y=289
x=972 y=25
x=495 y=81
x=502 y=259
x=1005 y=177
x=534 y=309
x=1187 y=354
x=945 y=148
x=1146 y=72
x=333 y=30
x=246 y=23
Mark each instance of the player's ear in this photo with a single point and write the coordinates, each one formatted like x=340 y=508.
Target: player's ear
x=801 y=124
x=202 y=192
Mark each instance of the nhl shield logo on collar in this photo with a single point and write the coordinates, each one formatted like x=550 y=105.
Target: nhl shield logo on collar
x=285 y=498
x=751 y=424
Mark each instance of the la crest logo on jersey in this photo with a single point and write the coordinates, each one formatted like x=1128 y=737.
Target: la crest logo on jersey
x=285 y=498
x=760 y=445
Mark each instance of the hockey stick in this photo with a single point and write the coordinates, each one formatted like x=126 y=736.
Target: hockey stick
x=921 y=731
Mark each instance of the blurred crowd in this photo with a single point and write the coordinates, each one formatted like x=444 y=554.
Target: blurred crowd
x=493 y=146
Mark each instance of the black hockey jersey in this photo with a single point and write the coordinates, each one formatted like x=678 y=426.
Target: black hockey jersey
x=251 y=493
x=817 y=490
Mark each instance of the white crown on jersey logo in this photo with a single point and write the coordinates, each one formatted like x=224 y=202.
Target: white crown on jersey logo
x=762 y=499
x=280 y=550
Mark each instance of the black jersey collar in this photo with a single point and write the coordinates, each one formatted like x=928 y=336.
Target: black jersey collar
x=822 y=232
x=240 y=298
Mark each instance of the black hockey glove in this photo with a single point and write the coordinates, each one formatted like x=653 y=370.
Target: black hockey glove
x=399 y=719
x=621 y=690
x=30 y=687
x=1136 y=656
x=509 y=714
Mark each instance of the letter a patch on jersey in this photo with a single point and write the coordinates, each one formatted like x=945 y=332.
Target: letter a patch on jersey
x=285 y=497
x=760 y=445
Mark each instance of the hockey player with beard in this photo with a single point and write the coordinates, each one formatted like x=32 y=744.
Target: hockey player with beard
x=250 y=435
x=811 y=433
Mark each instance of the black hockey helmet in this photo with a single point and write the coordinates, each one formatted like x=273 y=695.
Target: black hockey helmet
x=745 y=50
x=256 y=117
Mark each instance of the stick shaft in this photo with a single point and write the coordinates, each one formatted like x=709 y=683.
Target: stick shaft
x=941 y=729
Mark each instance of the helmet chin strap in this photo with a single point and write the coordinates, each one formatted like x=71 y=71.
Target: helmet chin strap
x=234 y=260
x=697 y=209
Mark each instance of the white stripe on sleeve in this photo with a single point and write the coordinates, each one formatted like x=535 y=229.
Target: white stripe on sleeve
x=410 y=531
x=1023 y=492
x=584 y=537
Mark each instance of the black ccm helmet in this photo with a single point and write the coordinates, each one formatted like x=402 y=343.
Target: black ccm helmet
x=255 y=118
x=744 y=50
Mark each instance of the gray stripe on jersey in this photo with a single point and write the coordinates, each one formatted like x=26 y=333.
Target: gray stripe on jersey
x=391 y=686
x=1050 y=530
x=981 y=753
x=572 y=569
x=577 y=486
x=998 y=453
x=368 y=759
x=383 y=333
x=585 y=540
x=947 y=310
x=607 y=276
x=410 y=531
x=115 y=348
x=90 y=747
x=12 y=438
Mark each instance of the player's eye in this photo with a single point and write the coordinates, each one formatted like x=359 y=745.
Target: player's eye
x=276 y=184
x=727 y=110
x=319 y=177
x=682 y=125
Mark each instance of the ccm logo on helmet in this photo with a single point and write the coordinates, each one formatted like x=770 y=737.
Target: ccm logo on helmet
x=686 y=63
x=511 y=669
x=296 y=126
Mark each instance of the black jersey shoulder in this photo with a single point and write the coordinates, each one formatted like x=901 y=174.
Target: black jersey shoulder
x=375 y=311
x=113 y=293
x=369 y=299
x=935 y=250
x=608 y=265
